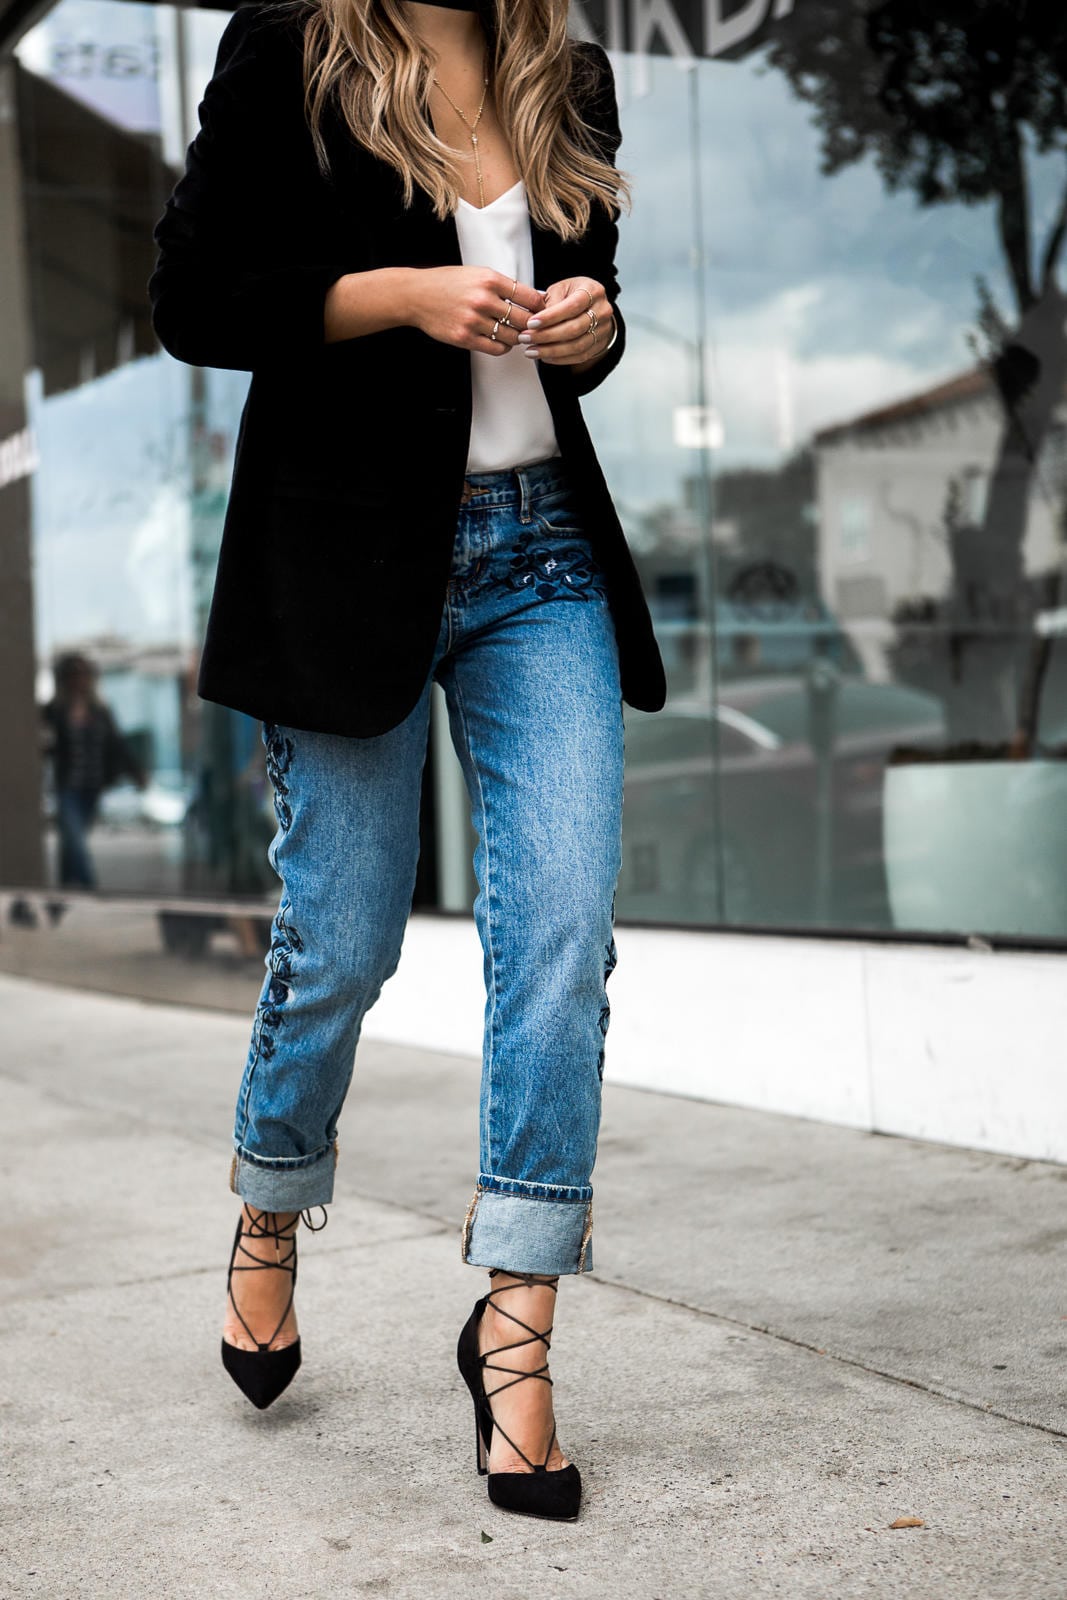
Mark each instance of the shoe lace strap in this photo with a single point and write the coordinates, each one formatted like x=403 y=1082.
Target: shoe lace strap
x=266 y=1225
x=518 y=1374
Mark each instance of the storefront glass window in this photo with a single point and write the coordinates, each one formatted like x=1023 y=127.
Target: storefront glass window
x=868 y=708
x=838 y=443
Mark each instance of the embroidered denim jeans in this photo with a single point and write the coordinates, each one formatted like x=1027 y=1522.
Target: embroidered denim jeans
x=528 y=663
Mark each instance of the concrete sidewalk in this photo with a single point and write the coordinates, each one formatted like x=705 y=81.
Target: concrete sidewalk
x=795 y=1335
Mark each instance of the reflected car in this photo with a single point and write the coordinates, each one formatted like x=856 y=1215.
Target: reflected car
x=766 y=809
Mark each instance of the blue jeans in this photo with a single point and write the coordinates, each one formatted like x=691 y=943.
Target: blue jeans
x=528 y=663
x=75 y=814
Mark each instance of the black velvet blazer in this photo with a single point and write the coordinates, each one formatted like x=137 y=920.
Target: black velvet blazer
x=351 y=455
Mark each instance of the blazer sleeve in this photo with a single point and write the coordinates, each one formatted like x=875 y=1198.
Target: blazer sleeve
x=602 y=237
x=235 y=283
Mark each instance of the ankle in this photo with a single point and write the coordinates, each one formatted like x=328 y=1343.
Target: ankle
x=508 y=1289
x=500 y=1276
x=516 y=1308
x=257 y=1221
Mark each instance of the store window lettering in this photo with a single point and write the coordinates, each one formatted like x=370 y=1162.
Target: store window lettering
x=681 y=30
x=84 y=58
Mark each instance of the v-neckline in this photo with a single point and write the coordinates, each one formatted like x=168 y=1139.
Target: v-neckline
x=478 y=210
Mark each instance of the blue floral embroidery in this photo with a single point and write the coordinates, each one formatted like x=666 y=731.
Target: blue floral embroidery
x=279 y=760
x=611 y=957
x=285 y=943
x=550 y=570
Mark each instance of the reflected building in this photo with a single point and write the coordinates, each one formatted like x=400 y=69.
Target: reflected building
x=841 y=466
x=902 y=496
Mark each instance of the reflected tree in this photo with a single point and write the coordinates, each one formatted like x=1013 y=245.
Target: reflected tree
x=954 y=101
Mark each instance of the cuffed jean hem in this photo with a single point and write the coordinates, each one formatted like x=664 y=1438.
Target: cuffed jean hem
x=284 y=1186
x=520 y=1233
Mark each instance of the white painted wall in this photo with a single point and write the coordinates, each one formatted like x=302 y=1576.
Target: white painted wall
x=962 y=1046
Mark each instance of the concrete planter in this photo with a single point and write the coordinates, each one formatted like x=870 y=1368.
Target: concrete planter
x=977 y=846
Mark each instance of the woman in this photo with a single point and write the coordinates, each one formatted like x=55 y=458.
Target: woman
x=399 y=215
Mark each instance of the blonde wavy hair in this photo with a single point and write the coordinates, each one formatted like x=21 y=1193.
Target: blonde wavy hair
x=365 y=57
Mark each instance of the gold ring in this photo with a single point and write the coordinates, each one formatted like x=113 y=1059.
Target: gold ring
x=515 y=285
x=586 y=291
x=594 y=321
x=506 y=321
x=496 y=325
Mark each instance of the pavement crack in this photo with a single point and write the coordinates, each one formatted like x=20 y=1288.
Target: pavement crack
x=840 y=1357
x=139 y=1282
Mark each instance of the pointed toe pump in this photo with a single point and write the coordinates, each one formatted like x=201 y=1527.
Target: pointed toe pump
x=537 y=1493
x=263 y=1374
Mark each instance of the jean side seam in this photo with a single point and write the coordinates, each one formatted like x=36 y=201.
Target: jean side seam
x=241 y=1131
x=267 y=731
x=490 y=1027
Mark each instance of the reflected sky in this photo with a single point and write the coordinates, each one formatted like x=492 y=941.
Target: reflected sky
x=827 y=296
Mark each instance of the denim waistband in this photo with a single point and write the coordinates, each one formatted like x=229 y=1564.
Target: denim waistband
x=514 y=486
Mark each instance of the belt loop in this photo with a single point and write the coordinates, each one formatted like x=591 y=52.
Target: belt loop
x=524 y=494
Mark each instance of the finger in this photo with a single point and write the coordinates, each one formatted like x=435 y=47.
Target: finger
x=498 y=332
x=489 y=347
x=571 y=332
x=491 y=336
x=560 y=311
x=492 y=308
x=567 y=332
x=518 y=319
x=572 y=350
x=572 y=304
x=525 y=296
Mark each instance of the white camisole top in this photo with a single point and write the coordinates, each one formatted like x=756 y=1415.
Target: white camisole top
x=511 y=425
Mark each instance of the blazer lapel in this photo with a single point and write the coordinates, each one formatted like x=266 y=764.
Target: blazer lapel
x=545 y=256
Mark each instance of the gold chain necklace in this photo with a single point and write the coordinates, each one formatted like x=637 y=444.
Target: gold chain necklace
x=472 y=128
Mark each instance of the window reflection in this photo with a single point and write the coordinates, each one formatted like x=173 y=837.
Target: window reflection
x=838 y=443
x=135 y=455
x=886 y=357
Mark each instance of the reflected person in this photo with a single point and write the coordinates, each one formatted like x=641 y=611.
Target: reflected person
x=89 y=755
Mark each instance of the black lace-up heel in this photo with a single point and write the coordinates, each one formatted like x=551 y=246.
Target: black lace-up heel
x=537 y=1493
x=263 y=1373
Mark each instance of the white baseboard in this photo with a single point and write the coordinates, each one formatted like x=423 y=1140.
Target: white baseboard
x=961 y=1046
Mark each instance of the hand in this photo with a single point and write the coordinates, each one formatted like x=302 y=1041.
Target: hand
x=562 y=333
x=461 y=305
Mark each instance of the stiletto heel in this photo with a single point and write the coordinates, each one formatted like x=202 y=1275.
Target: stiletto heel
x=262 y=1374
x=537 y=1493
